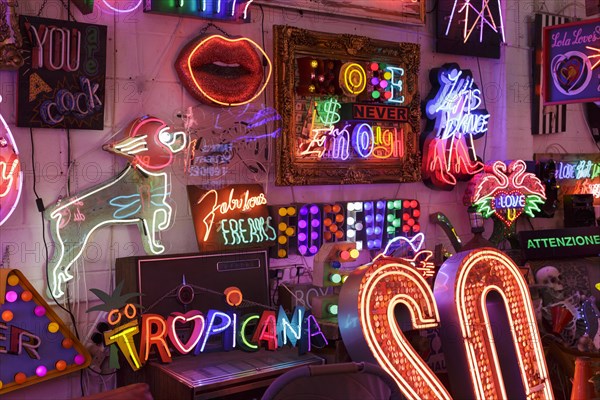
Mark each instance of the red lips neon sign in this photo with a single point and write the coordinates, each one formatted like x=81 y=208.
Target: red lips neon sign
x=218 y=70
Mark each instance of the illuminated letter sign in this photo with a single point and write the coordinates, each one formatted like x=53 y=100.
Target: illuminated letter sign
x=507 y=192
x=454 y=121
x=35 y=345
x=272 y=331
x=11 y=177
x=138 y=195
x=227 y=10
x=473 y=291
x=576 y=173
x=571 y=58
x=234 y=217
x=558 y=243
x=61 y=84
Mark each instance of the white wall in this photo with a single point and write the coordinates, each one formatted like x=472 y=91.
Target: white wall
x=141 y=80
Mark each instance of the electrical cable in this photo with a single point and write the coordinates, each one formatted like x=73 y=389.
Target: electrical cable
x=38 y=200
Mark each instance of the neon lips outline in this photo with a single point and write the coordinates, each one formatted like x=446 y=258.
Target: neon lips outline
x=236 y=53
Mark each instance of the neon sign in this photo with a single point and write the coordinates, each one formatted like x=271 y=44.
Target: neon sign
x=11 y=177
x=61 y=85
x=557 y=243
x=458 y=305
x=454 y=121
x=369 y=224
x=140 y=195
x=35 y=344
x=507 y=191
x=335 y=131
x=226 y=10
x=469 y=27
x=233 y=217
x=476 y=19
x=122 y=6
x=221 y=71
x=570 y=60
x=271 y=330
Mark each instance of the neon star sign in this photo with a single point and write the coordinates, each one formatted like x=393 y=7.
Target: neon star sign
x=455 y=121
x=506 y=192
x=476 y=17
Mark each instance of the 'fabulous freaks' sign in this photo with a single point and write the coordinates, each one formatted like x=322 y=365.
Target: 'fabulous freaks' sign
x=571 y=54
x=61 y=84
x=236 y=216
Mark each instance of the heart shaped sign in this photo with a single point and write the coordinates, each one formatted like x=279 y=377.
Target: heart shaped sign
x=175 y=318
x=508 y=206
x=571 y=72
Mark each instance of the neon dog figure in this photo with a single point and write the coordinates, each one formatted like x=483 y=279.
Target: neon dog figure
x=138 y=195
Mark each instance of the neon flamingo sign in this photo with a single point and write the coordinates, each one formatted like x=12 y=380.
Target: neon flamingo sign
x=454 y=122
x=507 y=191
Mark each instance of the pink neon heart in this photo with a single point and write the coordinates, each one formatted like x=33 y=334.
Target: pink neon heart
x=176 y=317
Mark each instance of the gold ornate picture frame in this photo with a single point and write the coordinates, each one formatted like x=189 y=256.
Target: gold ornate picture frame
x=350 y=109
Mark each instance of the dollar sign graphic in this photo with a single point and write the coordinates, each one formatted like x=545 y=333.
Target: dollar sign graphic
x=328 y=114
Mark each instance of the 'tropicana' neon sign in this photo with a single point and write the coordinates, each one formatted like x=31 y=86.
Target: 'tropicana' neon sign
x=507 y=191
x=247 y=332
x=454 y=122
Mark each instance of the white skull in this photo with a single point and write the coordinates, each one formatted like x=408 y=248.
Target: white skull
x=550 y=277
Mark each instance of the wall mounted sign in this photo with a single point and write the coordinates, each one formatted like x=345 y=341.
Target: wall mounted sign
x=454 y=121
x=560 y=243
x=61 y=84
x=571 y=56
x=225 y=10
x=545 y=119
x=35 y=344
x=139 y=195
x=11 y=176
x=234 y=217
x=304 y=228
x=470 y=28
x=349 y=106
x=473 y=291
x=223 y=71
x=270 y=330
x=506 y=192
x=391 y=11
x=576 y=173
x=11 y=56
x=230 y=145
